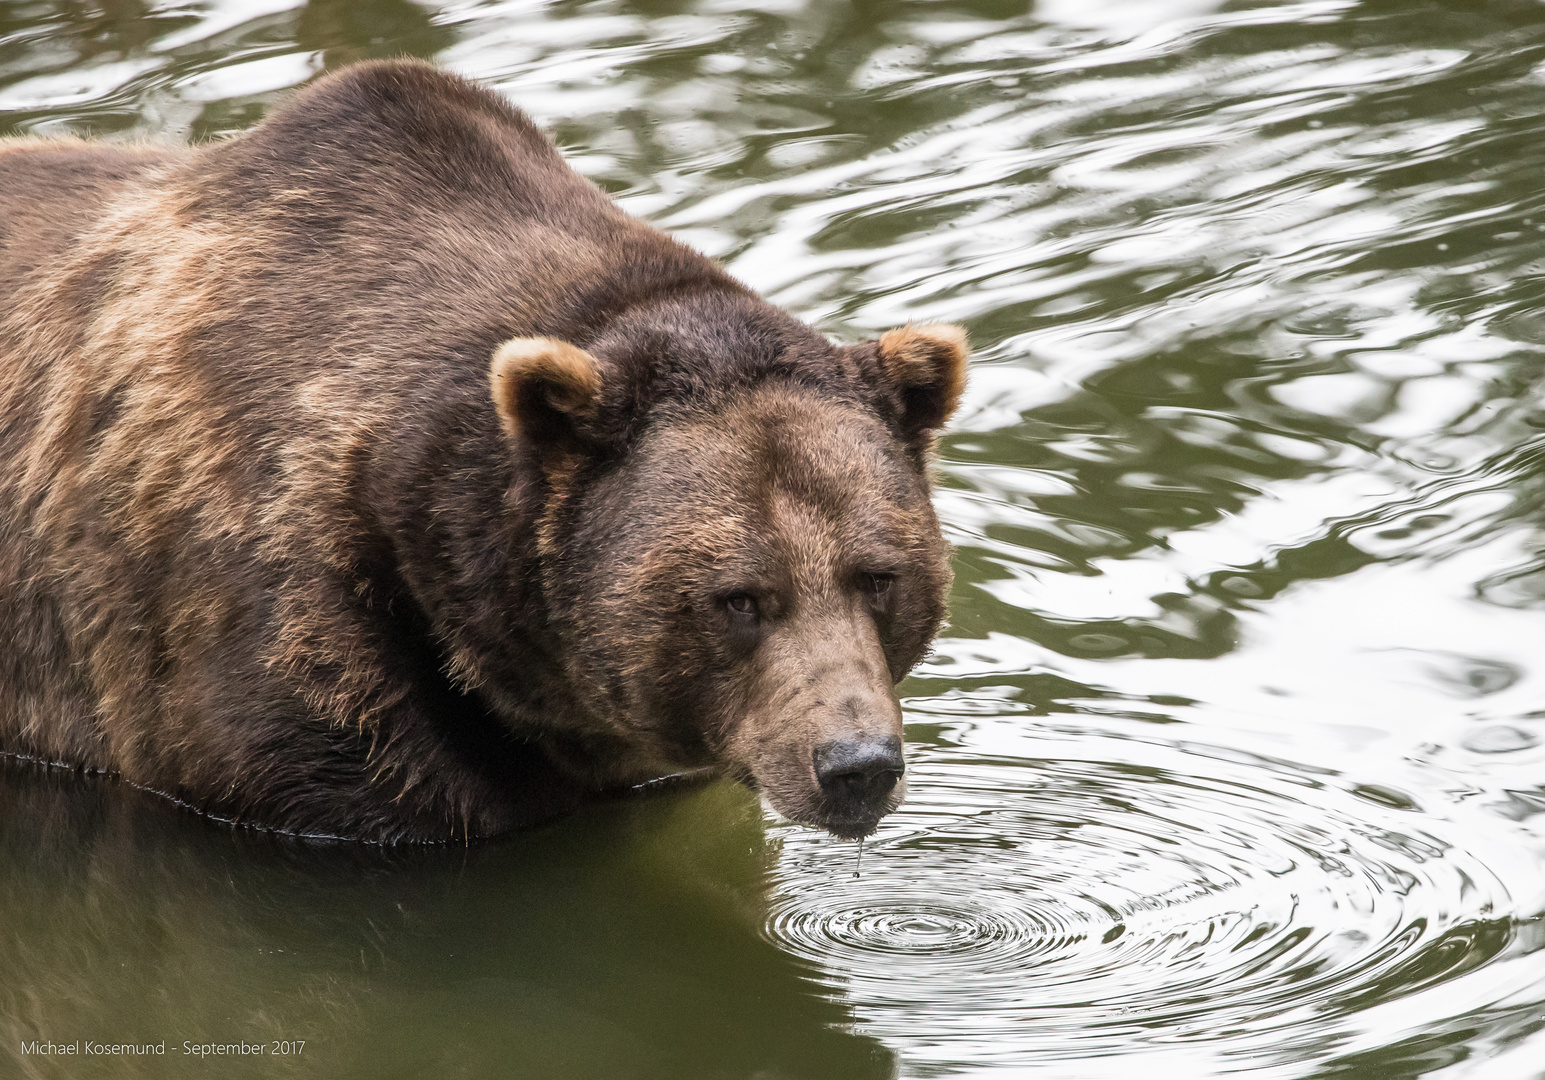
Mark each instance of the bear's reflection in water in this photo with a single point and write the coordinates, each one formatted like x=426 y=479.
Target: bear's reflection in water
x=622 y=942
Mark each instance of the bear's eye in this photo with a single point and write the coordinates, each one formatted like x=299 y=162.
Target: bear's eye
x=876 y=587
x=742 y=604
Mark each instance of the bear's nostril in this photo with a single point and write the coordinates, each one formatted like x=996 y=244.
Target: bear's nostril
x=863 y=770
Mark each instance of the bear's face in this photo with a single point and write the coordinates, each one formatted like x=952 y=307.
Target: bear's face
x=758 y=580
x=744 y=588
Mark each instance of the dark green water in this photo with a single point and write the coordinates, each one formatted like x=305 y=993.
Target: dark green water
x=1230 y=761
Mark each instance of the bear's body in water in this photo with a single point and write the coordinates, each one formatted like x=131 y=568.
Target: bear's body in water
x=372 y=474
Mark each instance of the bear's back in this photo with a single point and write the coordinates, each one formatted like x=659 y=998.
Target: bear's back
x=52 y=191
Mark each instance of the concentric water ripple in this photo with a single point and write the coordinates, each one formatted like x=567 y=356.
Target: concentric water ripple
x=1046 y=909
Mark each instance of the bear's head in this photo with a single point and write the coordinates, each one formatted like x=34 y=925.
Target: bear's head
x=740 y=555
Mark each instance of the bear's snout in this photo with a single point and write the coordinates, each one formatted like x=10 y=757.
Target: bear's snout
x=829 y=753
x=858 y=774
x=858 y=780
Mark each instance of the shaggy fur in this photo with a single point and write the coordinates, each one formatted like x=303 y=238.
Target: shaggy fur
x=372 y=474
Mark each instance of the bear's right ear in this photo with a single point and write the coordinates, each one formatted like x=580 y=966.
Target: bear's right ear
x=547 y=392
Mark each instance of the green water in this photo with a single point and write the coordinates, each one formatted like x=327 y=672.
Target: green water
x=1230 y=760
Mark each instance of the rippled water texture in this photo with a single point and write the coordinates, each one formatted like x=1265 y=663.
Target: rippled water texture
x=1230 y=759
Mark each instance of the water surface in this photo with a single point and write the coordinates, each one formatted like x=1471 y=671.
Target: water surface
x=1230 y=760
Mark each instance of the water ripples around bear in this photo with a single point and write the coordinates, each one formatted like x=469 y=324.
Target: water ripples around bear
x=1194 y=910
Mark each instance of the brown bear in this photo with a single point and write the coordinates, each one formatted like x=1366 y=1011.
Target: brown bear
x=372 y=474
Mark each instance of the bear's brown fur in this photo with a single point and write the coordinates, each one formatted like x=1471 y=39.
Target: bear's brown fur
x=372 y=474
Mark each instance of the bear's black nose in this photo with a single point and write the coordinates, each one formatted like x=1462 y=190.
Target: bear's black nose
x=862 y=770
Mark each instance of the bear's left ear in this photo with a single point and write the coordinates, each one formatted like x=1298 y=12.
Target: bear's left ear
x=547 y=392
x=927 y=365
